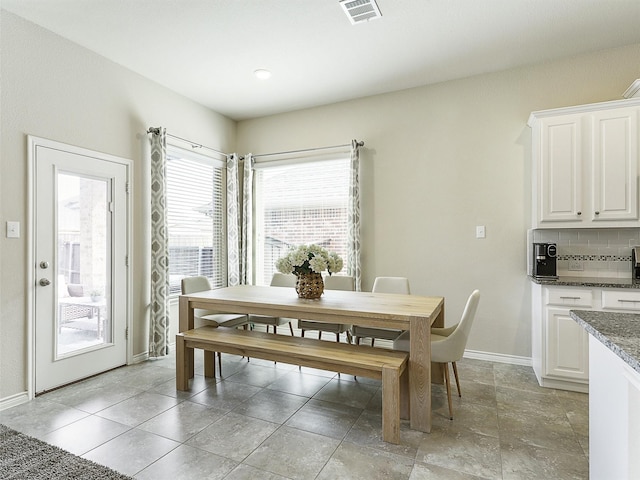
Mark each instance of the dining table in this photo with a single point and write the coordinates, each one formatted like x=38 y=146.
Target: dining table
x=415 y=313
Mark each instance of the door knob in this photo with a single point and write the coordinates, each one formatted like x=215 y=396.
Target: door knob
x=44 y=264
x=44 y=282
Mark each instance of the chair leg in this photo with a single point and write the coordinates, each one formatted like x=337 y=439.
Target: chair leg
x=455 y=374
x=446 y=380
x=291 y=329
x=319 y=334
x=357 y=340
x=220 y=363
x=372 y=341
x=302 y=333
x=337 y=337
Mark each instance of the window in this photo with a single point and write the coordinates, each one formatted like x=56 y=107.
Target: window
x=300 y=203
x=195 y=217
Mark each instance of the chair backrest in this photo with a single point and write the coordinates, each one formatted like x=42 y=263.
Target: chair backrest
x=339 y=282
x=391 y=285
x=283 y=280
x=457 y=341
x=194 y=284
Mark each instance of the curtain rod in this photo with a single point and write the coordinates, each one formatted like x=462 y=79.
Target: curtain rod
x=359 y=144
x=194 y=145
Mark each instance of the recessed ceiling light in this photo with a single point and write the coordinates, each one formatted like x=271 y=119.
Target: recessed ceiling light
x=262 y=74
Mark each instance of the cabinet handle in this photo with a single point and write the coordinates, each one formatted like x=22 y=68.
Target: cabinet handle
x=597 y=213
x=621 y=300
x=569 y=298
x=579 y=213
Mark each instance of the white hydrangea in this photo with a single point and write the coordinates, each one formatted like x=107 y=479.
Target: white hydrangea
x=309 y=258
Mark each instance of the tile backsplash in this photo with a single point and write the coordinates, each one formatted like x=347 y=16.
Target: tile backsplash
x=602 y=252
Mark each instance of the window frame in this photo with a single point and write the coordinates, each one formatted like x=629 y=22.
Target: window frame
x=259 y=270
x=174 y=150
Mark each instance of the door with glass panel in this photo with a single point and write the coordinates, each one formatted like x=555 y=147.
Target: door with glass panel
x=80 y=260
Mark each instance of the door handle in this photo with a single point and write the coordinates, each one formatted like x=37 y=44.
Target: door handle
x=44 y=282
x=44 y=264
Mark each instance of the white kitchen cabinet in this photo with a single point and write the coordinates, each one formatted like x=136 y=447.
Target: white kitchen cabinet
x=585 y=162
x=560 y=347
x=614 y=416
x=560 y=351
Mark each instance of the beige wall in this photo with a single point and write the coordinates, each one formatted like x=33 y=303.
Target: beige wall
x=440 y=160
x=55 y=89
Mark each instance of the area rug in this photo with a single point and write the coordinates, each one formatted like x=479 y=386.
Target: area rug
x=25 y=458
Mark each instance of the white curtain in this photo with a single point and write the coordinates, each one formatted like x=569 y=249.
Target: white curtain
x=353 y=260
x=159 y=318
x=233 y=222
x=246 y=262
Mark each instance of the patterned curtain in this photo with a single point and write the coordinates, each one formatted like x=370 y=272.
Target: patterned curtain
x=247 y=222
x=159 y=324
x=233 y=221
x=353 y=260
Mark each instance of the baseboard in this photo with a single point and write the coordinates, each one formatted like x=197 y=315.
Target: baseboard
x=139 y=358
x=14 y=400
x=498 y=358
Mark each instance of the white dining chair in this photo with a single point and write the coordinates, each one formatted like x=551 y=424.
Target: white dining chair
x=278 y=280
x=398 y=285
x=448 y=344
x=331 y=282
x=207 y=317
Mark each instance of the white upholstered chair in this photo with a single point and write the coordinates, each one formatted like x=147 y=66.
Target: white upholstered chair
x=382 y=285
x=448 y=344
x=206 y=317
x=278 y=280
x=331 y=282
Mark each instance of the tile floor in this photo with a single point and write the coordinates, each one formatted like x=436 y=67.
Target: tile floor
x=274 y=421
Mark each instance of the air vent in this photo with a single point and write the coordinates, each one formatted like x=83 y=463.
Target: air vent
x=359 y=11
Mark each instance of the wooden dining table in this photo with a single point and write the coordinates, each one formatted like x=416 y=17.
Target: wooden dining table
x=402 y=312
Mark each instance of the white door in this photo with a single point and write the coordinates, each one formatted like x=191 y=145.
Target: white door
x=80 y=240
x=615 y=164
x=561 y=169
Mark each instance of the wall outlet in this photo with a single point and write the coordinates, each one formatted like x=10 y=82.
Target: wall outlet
x=576 y=266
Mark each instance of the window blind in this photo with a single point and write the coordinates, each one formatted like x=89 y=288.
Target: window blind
x=296 y=204
x=195 y=218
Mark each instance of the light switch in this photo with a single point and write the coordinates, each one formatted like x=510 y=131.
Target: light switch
x=13 y=229
x=480 y=233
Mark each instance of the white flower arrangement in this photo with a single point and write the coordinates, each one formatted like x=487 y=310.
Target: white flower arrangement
x=309 y=259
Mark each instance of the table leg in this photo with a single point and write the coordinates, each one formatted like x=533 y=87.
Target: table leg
x=420 y=375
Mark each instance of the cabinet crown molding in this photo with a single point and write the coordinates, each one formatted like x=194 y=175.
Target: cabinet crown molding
x=589 y=107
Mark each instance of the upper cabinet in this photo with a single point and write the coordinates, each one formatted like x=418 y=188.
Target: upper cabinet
x=585 y=166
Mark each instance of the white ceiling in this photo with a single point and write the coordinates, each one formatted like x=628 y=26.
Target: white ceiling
x=207 y=50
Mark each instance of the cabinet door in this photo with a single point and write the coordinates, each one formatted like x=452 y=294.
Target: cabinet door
x=561 y=169
x=567 y=346
x=614 y=144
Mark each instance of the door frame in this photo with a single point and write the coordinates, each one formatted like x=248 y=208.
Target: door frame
x=32 y=143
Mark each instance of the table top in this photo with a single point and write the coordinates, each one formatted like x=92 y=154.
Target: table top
x=84 y=301
x=337 y=306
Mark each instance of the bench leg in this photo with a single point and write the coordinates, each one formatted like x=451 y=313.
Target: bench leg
x=391 y=404
x=209 y=364
x=182 y=364
x=405 y=407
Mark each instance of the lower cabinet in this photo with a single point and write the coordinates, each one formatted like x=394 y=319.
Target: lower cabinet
x=567 y=347
x=560 y=347
x=614 y=416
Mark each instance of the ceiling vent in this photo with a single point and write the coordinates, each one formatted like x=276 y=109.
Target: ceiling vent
x=359 y=11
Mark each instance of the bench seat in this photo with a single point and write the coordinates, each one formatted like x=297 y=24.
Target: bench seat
x=382 y=364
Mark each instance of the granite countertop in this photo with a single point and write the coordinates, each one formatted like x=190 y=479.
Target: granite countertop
x=620 y=332
x=601 y=282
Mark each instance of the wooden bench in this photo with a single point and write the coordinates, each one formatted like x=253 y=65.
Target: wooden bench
x=386 y=365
